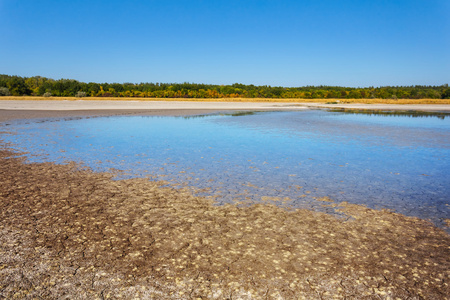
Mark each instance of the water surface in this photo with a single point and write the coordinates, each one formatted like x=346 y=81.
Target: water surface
x=399 y=162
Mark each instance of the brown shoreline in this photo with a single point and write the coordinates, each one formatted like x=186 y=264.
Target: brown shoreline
x=9 y=115
x=72 y=233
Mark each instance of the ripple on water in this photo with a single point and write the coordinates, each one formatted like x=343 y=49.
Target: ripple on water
x=382 y=161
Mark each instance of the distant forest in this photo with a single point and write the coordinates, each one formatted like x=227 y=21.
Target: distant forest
x=47 y=87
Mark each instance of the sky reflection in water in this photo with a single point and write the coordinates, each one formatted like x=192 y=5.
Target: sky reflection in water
x=400 y=163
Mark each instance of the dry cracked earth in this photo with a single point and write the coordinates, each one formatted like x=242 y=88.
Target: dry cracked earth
x=69 y=233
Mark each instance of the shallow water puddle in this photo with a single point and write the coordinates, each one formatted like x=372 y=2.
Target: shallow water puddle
x=394 y=161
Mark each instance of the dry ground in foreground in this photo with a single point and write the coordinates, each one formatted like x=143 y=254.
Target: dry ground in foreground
x=70 y=233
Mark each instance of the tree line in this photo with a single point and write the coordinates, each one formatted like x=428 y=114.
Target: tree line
x=42 y=86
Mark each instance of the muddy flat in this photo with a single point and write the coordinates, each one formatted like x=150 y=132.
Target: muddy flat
x=67 y=232
x=29 y=109
x=374 y=106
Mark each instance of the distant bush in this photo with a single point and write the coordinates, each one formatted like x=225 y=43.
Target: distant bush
x=38 y=85
x=446 y=94
x=4 y=91
x=47 y=94
x=80 y=94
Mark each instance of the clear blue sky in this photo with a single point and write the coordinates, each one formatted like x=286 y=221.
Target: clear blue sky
x=266 y=42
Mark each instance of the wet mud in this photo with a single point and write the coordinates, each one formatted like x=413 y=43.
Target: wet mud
x=69 y=233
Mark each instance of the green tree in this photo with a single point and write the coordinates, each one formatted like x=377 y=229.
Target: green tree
x=17 y=86
x=446 y=94
x=4 y=91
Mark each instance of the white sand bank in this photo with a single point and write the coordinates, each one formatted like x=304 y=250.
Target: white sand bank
x=70 y=105
x=146 y=105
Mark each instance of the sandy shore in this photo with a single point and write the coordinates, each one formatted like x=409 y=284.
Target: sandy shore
x=148 y=105
x=92 y=105
x=26 y=109
x=29 y=109
x=71 y=233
